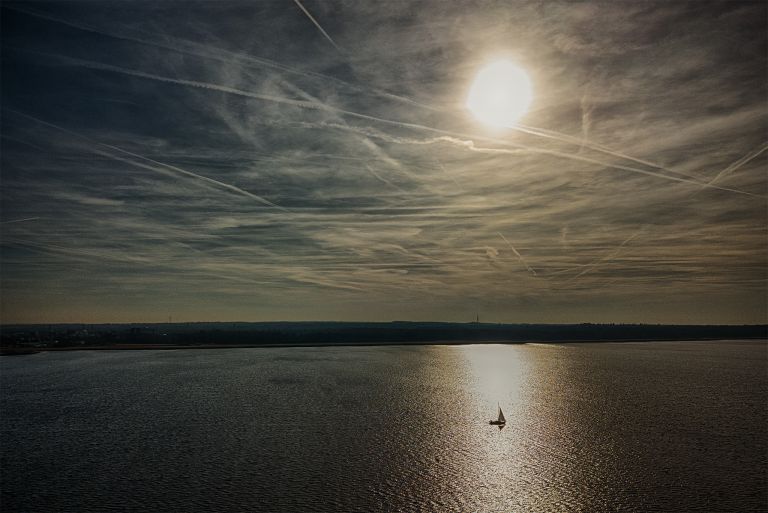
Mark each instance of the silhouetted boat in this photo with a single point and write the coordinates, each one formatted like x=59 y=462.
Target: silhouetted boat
x=501 y=421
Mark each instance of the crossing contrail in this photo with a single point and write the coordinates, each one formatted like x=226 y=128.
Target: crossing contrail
x=602 y=260
x=211 y=52
x=528 y=267
x=401 y=124
x=194 y=48
x=164 y=167
x=736 y=165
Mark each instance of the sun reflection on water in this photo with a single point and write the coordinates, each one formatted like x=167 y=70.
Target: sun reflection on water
x=499 y=375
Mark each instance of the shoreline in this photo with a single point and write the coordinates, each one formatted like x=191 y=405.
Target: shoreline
x=11 y=351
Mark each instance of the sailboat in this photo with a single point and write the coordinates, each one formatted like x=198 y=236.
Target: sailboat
x=501 y=421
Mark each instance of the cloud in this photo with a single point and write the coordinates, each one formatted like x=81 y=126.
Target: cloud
x=231 y=162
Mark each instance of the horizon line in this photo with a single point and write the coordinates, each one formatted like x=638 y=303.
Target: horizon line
x=495 y=323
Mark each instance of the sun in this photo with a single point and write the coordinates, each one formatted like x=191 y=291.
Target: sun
x=500 y=94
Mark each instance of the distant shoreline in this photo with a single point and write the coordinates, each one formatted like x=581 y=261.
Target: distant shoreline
x=10 y=351
x=21 y=339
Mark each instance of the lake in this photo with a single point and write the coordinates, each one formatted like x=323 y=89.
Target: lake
x=667 y=426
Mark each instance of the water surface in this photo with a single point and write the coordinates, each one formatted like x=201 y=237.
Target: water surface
x=672 y=426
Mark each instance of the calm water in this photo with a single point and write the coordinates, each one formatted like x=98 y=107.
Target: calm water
x=632 y=427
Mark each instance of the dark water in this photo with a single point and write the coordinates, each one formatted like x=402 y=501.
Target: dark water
x=613 y=427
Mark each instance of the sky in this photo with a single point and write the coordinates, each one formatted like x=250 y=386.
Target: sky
x=315 y=160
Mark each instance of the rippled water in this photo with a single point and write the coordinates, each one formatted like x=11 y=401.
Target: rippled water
x=592 y=427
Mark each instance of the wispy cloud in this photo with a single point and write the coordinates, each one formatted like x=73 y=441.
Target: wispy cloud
x=195 y=165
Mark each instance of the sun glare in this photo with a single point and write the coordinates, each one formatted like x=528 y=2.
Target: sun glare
x=500 y=94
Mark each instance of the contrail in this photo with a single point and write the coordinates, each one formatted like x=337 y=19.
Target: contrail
x=162 y=164
x=313 y=20
x=530 y=269
x=450 y=176
x=219 y=54
x=20 y=220
x=122 y=258
x=384 y=180
x=179 y=170
x=586 y=119
x=736 y=165
x=367 y=142
x=382 y=155
x=391 y=122
x=457 y=139
x=22 y=141
x=595 y=263
x=599 y=148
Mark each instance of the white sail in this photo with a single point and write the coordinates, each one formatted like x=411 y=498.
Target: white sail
x=501 y=415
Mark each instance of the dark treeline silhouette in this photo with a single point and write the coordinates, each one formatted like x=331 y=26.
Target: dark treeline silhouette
x=343 y=333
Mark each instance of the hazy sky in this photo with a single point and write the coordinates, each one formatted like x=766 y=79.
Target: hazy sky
x=277 y=160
